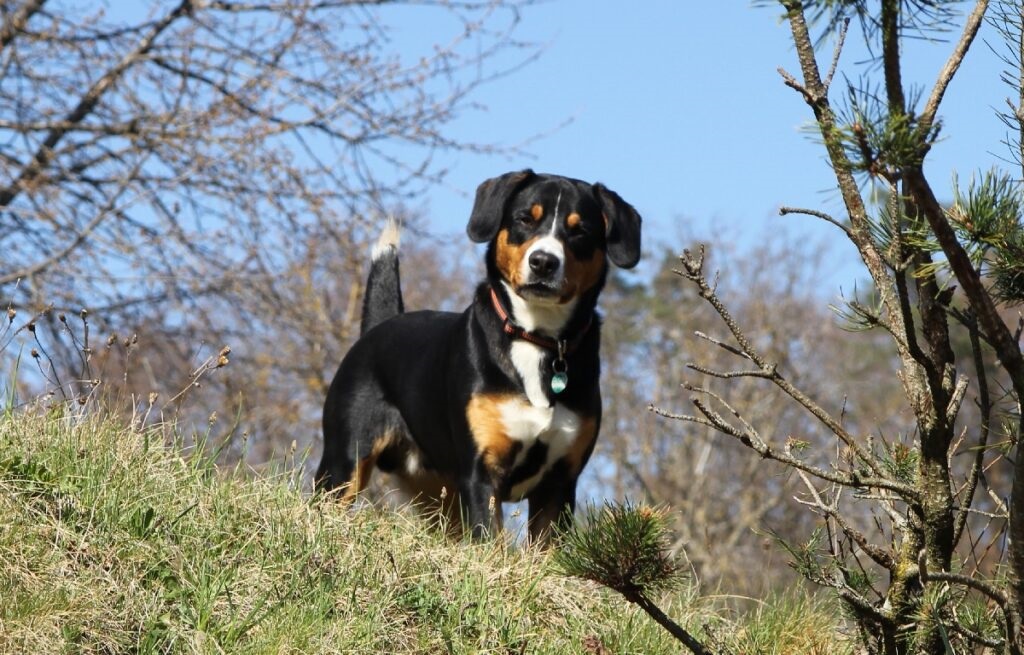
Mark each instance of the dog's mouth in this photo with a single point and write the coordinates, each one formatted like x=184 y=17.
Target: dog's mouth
x=545 y=293
x=540 y=290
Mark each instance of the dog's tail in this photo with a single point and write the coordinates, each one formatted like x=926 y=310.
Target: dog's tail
x=383 y=298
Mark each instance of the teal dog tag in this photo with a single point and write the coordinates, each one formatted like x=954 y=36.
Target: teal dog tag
x=560 y=377
x=559 y=382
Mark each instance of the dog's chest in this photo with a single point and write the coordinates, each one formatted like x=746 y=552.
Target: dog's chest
x=527 y=359
x=545 y=435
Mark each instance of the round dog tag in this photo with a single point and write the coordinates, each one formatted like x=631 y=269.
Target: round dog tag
x=559 y=382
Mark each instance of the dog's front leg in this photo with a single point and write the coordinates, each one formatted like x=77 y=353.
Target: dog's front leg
x=552 y=503
x=481 y=504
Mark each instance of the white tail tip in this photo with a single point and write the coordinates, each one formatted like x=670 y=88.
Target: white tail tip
x=388 y=240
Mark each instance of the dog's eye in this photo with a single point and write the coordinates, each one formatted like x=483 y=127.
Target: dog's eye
x=577 y=228
x=524 y=217
x=575 y=224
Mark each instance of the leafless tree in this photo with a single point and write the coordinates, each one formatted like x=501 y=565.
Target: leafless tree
x=727 y=504
x=202 y=173
x=919 y=576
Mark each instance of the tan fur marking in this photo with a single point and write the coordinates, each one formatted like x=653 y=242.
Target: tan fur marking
x=537 y=212
x=581 y=274
x=436 y=496
x=509 y=257
x=360 y=478
x=573 y=220
x=583 y=444
x=426 y=487
x=364 y=467
x=483 y=413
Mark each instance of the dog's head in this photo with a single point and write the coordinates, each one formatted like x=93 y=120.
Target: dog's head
x=551 y=236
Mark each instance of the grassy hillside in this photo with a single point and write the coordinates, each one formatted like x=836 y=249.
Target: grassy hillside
x=110 y=542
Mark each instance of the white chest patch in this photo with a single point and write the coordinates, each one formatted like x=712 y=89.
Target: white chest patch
x=526 y=358
x=556 y=427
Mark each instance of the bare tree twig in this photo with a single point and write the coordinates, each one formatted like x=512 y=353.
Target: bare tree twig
x=693 y=271
x=722 y=344
x=876 y=553
x=973 y=583
x=18 y=20
x=971 y=27
x=784 y=211
x=725 y=375
x=840 y=40
x=87 y=103
x=713 y=419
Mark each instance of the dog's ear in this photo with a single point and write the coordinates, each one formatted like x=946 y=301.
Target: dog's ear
x=489 y=205
x=622 y=223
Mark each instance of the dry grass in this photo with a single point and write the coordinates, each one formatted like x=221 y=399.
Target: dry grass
x=112 y=542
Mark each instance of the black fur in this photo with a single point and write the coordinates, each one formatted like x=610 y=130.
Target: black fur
x=489 y=206
x=383 y=297
x=623 y=227
x=437 y=398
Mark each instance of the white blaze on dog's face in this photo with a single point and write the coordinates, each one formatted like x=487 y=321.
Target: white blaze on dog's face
x=549 y=251
x=544 y=260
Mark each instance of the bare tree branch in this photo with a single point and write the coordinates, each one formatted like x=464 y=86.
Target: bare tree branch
x=783 y=211
x=86 y=104
x=971 y=27
x=16 y=22
x=693 y=271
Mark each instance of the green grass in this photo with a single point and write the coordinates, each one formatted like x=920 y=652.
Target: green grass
x=111 y=543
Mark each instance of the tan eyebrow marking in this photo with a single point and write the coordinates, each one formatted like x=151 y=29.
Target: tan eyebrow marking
x=573 y=219
x=536 y=211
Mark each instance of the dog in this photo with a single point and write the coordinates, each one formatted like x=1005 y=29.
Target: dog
x=502 y=401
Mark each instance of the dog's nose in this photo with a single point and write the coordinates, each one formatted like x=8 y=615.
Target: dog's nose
x=543 y=263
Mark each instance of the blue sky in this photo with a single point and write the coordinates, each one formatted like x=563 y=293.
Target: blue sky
x=678 y=106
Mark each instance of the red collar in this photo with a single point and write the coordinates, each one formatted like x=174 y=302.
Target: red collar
x=560 y=346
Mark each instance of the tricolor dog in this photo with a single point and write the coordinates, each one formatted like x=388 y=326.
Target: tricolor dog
x=500 y=402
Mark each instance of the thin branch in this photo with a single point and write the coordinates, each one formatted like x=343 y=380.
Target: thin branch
x=86 y=105
x=693 y=266
x=970 y=30
x=843 y=27
x=18 y=21
x=783 y=211
x=724 y=375
x=749 y=429
x=861 y=604
x=791 y=82
x=852 y=479
x=981 y=586
x=975 y=637
x=874 y=552
x=721 y=344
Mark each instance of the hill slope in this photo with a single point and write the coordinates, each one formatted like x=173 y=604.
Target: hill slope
x=111 y=542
